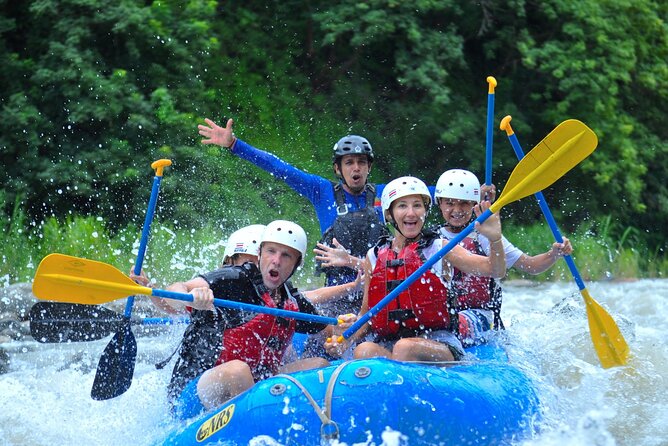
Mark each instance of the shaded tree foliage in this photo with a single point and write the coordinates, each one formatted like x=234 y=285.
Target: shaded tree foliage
x=93 y=92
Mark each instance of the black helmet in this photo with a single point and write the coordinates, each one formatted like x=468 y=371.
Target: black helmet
x=352 y=145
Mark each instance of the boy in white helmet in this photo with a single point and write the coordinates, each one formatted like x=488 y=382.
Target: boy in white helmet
x=416 y=326
x=478 y=301
x=225 y=351
x=243 y=245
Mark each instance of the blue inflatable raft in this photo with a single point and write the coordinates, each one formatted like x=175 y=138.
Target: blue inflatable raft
x=485 y=401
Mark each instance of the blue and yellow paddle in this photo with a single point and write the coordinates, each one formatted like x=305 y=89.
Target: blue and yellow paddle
x=609 y=343
x=63 y=278
x=117 y=363
x=561 y=150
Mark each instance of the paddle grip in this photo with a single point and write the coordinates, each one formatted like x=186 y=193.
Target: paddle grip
x=416 y=274
x=489 y=133
x=548 y=215
x=250 y=307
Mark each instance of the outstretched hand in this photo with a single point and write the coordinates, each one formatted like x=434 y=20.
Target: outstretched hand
x=215 y=134
x=336 y=255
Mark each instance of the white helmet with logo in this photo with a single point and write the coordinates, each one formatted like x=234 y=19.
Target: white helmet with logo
x=244 y=241
x=286 y=233
x=402 y=187
x=458 y=184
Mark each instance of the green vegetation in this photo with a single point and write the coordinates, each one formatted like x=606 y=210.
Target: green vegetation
x=602 y=251
x=94 y=91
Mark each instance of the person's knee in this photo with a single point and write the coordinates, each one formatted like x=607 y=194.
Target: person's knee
x=223 y=382
x=235 y=375
x=317 y=363
x=365 y=350
x=239 y=372
x=404 y=350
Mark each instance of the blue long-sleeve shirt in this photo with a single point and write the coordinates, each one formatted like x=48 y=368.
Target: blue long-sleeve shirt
x=317 y=189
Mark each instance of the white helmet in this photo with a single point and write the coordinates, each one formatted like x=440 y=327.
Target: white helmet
x=244 y=241
x=286 y=233
x=458 y=184
x=402 y=187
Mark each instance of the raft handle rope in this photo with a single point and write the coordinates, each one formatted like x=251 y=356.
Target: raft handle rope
x=329 y=430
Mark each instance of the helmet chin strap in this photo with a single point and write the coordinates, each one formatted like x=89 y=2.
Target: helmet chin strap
x=345 y=183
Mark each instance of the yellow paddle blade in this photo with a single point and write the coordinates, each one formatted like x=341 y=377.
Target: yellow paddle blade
x=561 y=150
x=610 y=345
x=64 y=278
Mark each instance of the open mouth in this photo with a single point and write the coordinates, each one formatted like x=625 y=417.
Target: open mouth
x=356 y=178
x=273 y=274
x=410 y=224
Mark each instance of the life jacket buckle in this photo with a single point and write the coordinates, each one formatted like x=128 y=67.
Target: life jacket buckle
x=401 y=314
x=392 y=263
x=342 y=209
x=392 y=284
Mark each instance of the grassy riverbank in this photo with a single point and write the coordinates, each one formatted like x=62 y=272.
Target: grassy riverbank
x=602 y=250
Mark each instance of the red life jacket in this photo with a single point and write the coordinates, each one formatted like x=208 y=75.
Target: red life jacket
x=471 y=291
x=262 y=341
x=423 y=305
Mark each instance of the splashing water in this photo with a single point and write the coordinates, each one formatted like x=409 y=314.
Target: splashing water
x=45 y=396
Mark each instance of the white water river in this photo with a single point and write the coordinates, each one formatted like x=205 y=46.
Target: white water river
x=45 y=402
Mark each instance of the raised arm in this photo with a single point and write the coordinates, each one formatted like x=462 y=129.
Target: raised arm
x=303 y=183
x=542 y=262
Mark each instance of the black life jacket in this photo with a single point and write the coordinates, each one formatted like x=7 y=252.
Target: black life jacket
x=202 y=341
x=357 y=231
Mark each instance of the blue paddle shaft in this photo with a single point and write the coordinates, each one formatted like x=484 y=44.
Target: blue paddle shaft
x=416 y=274
x=549 y=217
x=250 y=307
x=163 y=321
x=144 y=238
x=489 y=139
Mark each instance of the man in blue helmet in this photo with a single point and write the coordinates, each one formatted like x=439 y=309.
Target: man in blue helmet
x=348 y=210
